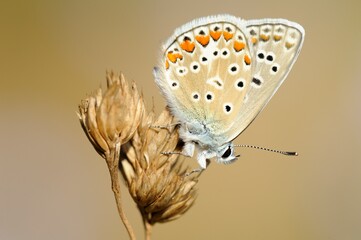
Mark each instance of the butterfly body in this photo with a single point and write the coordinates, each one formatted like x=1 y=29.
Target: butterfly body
x=217 y=73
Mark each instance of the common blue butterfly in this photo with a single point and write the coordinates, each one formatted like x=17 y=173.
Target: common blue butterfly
x=217 y=73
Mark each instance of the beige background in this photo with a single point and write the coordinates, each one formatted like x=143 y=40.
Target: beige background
x=53 y=185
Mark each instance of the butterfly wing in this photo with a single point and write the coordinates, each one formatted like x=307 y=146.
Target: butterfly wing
x=217 y=73
x=205 y=72
x=276 y=44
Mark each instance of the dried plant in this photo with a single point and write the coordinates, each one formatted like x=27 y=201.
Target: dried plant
x=132 y=141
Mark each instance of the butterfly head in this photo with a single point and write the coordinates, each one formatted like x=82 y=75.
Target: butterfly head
x=225 y=154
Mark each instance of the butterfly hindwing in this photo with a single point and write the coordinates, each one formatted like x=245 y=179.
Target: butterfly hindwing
x=276 y=45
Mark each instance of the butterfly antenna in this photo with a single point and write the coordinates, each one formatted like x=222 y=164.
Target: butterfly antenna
x=268 y=149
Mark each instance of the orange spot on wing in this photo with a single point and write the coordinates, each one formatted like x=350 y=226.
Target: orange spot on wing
x=264 y=37
x=247 y=59
x=166 y=64
x=289 y=45
x=215 y=35
x=254 y=40
x=238 y=46
x=187 y=46
x=174 y=56
x=203 y=40
x=227 y=35
x=277 y=38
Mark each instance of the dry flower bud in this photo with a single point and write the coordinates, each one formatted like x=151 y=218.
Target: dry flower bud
x=111 y=118
x=157 y=182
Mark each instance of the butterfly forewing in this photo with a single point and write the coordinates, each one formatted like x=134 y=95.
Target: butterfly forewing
x=207 y=71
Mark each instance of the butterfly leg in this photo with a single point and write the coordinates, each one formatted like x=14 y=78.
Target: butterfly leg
x=169 y=153
x=187 y=151
x=168 y=126
x=198 y=170
x=202 y=160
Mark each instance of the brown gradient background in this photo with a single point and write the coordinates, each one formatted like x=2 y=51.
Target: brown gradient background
x=53 y=185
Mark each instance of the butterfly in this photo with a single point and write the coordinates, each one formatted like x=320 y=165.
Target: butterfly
x=218 y=72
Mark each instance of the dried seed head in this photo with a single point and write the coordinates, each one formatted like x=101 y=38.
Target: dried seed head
x=157 y=182
x=120 y=130
x=111 y=118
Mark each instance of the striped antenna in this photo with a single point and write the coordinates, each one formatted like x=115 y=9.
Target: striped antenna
x=269 y=150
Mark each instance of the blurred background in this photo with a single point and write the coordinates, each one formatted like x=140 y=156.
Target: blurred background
x=53 y=184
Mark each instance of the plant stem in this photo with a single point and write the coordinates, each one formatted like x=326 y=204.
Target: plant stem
x=113 y=163
x=148 y=230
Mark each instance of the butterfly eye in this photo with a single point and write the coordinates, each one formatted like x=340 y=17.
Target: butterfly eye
x=227 y=153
